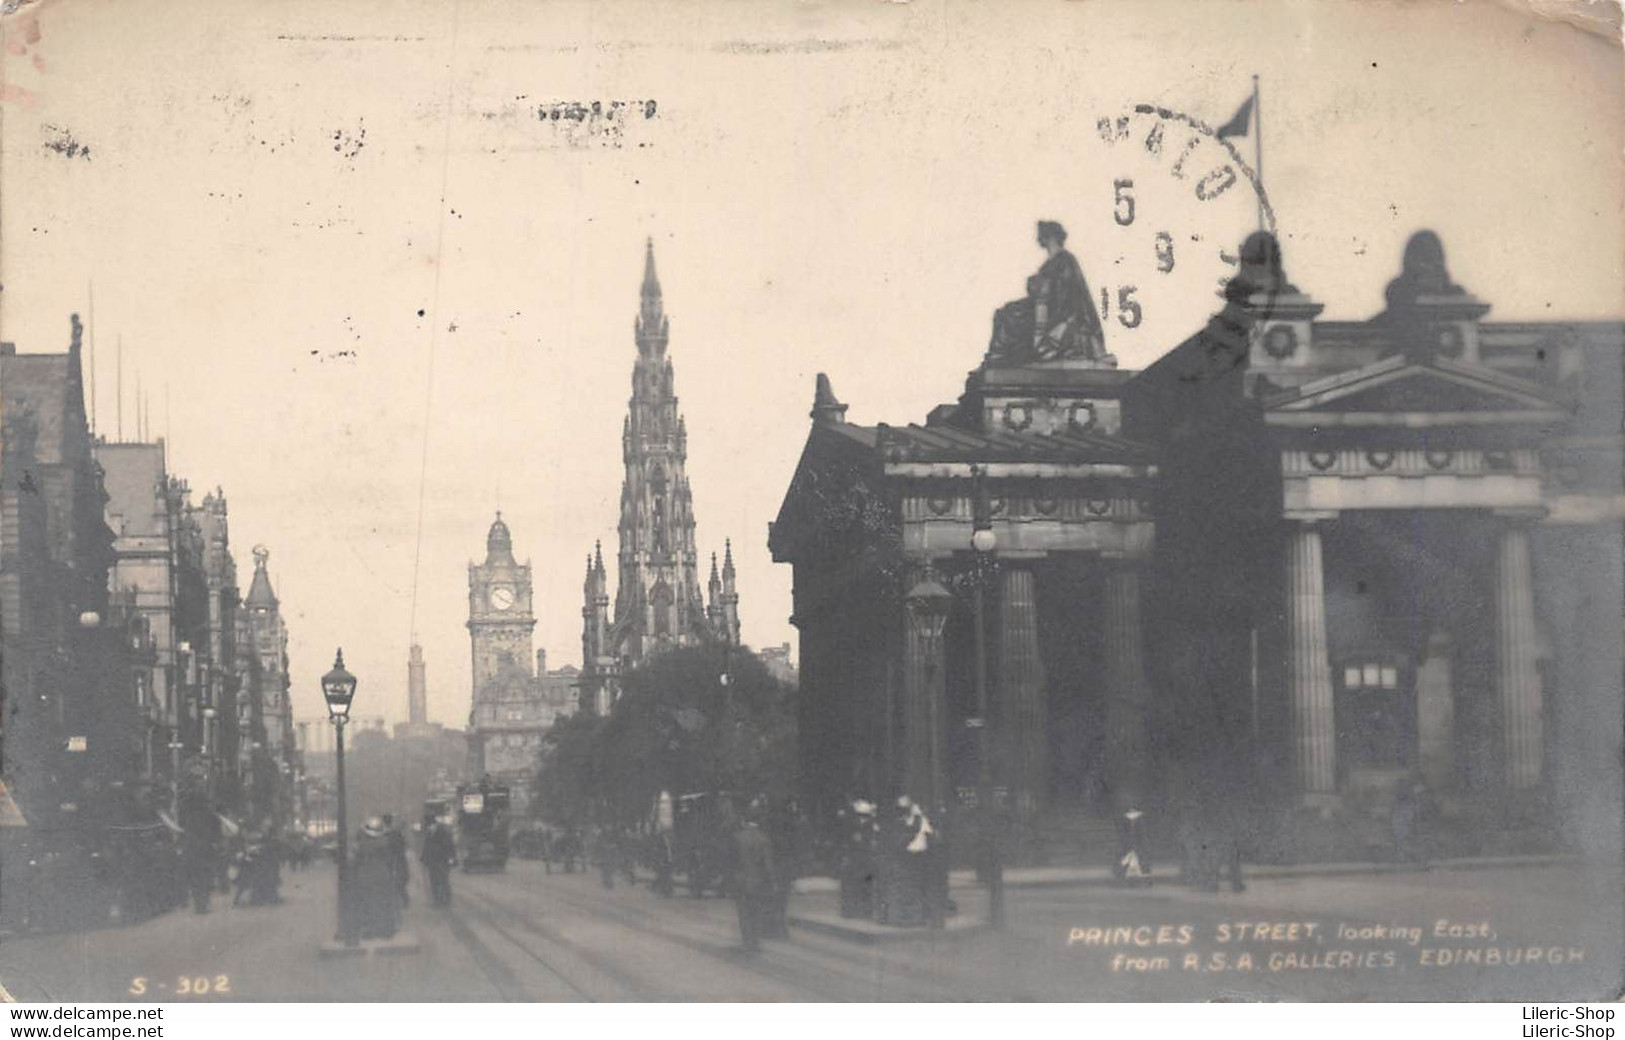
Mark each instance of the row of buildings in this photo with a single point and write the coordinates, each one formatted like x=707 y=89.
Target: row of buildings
x=1297 y=578
x=135 y=671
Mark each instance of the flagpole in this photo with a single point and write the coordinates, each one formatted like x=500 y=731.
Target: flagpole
x=1258 y=150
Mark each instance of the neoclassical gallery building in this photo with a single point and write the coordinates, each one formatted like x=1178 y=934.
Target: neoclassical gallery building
x=1292 y=572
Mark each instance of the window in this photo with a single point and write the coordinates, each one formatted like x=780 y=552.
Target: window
x=661 y=600
x=1376 y=713
x=1371 y=676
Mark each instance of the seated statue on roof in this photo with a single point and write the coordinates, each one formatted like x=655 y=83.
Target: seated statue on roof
x=1057 y=318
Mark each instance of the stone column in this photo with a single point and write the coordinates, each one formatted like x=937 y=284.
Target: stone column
x=1516 y=680
x=1314 y=728
x=1128 y=695
x=1022 y=711
x=921 y=742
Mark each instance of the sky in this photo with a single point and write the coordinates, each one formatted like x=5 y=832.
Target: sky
x=354 y=269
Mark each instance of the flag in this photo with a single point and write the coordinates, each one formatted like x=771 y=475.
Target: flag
x=1238 y=125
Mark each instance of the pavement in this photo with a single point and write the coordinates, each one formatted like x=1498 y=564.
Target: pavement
x=528 y=936
x=815 y=901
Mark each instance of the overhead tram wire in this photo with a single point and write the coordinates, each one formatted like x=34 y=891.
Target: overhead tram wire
x=434 y=313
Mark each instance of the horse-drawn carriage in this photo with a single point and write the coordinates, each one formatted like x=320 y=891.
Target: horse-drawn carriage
x=701 y=841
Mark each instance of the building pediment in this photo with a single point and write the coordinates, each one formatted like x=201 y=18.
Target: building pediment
x=1403 y=392
x=837 y=492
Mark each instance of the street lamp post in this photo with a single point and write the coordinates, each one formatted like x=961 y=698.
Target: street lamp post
x=210 y=745
x=929 y=602
x=338 y=687
x=179 y=711
x=175 y=747
x=725 y=722
x=984 y=543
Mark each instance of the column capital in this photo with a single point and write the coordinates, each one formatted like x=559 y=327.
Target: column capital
x=1310 y=516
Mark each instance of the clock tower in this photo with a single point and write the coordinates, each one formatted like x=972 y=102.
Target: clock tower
x=505 y=719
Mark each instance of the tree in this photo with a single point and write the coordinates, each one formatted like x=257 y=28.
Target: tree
x=677 y=726
x=565 y=780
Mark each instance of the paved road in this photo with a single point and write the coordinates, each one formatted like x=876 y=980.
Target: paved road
x=531 y=937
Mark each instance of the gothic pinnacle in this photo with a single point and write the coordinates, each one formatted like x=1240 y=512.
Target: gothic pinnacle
x=651 y=281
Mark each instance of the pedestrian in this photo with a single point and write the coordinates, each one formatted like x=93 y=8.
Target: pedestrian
x=1220 y=837
x=1133 y=866
x=199 y=834
x=225 y=854
x=900 y=899
x=753 y=880
x=1406 y=810
x=663 y=857
x=397 y=857
x=245 y=861
x=377 y=901
x=921 y=855
x=857 y=859
x=268 y=872
x=605 y=854
x=439 y=856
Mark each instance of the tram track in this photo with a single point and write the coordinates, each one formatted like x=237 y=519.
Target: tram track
x=809 y=945
x=524 y=919
x=502 y=977
x=802 y=971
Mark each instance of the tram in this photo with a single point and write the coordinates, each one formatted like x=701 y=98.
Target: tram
x=482 y=826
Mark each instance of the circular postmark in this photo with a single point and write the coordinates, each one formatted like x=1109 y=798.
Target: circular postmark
x=1175 y=207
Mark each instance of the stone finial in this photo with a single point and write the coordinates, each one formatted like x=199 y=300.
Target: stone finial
x=1428 y=315
x=1261 y=270
x=826 y=410
x=1422 y=273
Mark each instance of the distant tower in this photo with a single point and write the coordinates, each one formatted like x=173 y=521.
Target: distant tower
x=417 y=688
x=267 y=715
x=658 y=600
x=505 y=716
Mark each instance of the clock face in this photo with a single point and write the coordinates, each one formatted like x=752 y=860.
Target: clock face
x=1161 y=207
x=501 y=598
